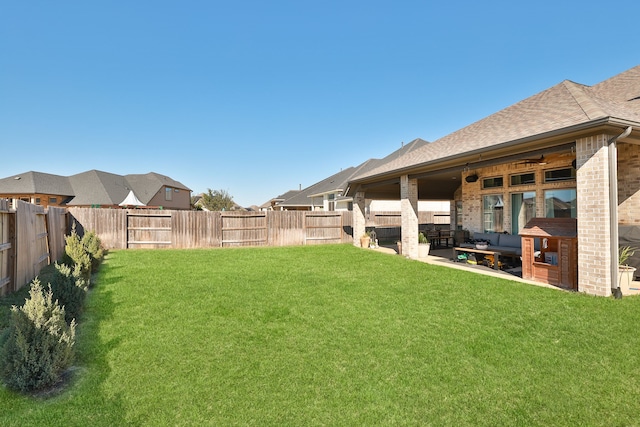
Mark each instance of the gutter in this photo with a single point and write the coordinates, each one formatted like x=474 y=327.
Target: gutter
x=533 y=138
x=613 y=208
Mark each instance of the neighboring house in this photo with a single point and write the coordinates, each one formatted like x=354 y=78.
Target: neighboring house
x=96 y=189
x=329 y=194
x=569 y=151
x=271 y=205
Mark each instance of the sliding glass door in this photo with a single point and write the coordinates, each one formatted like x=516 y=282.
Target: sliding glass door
x=523 y=208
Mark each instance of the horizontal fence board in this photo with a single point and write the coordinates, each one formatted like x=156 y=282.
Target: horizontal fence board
x=201 y=229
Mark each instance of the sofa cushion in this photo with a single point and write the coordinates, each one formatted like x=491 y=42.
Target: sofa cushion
x=492 y=238
x=510 y=240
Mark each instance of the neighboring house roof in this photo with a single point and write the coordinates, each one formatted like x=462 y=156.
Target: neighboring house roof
x=562 y=107
x=36 y=183
x=89 y=188
x=339 y=182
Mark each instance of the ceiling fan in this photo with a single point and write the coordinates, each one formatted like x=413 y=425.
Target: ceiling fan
x=540 y=161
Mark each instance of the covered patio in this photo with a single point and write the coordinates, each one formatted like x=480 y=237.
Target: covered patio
x=571 y=151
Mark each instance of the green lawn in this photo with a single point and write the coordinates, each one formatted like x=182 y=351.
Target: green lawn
x=336 y=335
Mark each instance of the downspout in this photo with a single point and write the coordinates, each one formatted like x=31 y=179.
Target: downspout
x=613 y=207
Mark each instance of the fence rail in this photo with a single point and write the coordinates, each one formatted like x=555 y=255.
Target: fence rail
x=135 y=228
x=30 y=238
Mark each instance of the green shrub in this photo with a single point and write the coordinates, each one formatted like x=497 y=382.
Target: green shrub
x=93 y=246
x=76 y=253
x=69 y=288
x=39 y=344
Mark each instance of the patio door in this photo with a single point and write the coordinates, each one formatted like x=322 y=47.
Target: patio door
x=493 y=214
x=523 y=208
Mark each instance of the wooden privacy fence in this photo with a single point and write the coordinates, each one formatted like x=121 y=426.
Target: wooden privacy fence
x=30 y=238
x=137 y=228
x=388 y=224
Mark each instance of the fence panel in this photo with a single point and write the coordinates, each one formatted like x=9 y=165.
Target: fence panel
x=148 y=229
x=286 y=228
x=7 y=233
x=136 y=228
x=196 y=229
x=323 y=227
x=56 y=228
x=32 y=247
x=109 y=224
x=244 y=229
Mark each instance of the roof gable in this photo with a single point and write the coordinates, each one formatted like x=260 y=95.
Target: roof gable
x=95 y=187
x=146 y=186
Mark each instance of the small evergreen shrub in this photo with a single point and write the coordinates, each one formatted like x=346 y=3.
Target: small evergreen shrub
x=69 y=288
x=76 y=253
x=93 y=246
x=39 y=344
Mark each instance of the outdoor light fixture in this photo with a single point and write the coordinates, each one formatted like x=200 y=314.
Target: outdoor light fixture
x=472 y=178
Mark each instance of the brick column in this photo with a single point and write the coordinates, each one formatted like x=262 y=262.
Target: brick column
x=594 y=234
x=409 y=210
x=359 y=219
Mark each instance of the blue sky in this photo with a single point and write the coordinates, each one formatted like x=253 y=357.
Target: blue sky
x=260 y=97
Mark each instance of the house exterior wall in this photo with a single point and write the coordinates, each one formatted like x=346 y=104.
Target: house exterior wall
x=472 y=193
x=359 y=220
x=409 y=211
x=594 y=235
x=180 y=198
x=628 y=184
x=37 y=199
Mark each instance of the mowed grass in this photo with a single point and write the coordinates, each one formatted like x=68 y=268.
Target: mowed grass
x=336 y=335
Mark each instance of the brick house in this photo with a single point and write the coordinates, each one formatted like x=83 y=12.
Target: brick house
x=96 y=189
x=569 y=151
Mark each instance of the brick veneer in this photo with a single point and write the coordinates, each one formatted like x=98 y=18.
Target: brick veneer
x=472 y=193
x=409 y=209
x=628 y=184
x=359 y=220
x=594 y=236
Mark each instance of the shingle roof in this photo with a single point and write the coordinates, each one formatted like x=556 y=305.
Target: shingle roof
x=36 y=182
x=147 y=185
x=333 y=184
x=89 y=188
x=339 y=182
x=562 y=106
x=97 y=188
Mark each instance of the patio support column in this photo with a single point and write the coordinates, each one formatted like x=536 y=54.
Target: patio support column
x=359 y=220
x=594 y=215
x=409 y=210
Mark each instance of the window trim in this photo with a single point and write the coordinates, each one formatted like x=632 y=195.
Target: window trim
x=572 y=177
x=484 y=181
x=511 y=184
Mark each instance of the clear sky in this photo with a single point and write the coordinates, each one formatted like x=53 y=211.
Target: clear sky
x=259 y=97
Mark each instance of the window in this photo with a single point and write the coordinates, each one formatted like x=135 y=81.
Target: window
x=559 y=175
x=168 y=193
x=332 y=202
x=492 y=182
x=493 y=213
x=523 y=208
x=53 y=200
x=37 y=200
x=523 y=179
x=560 y=203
